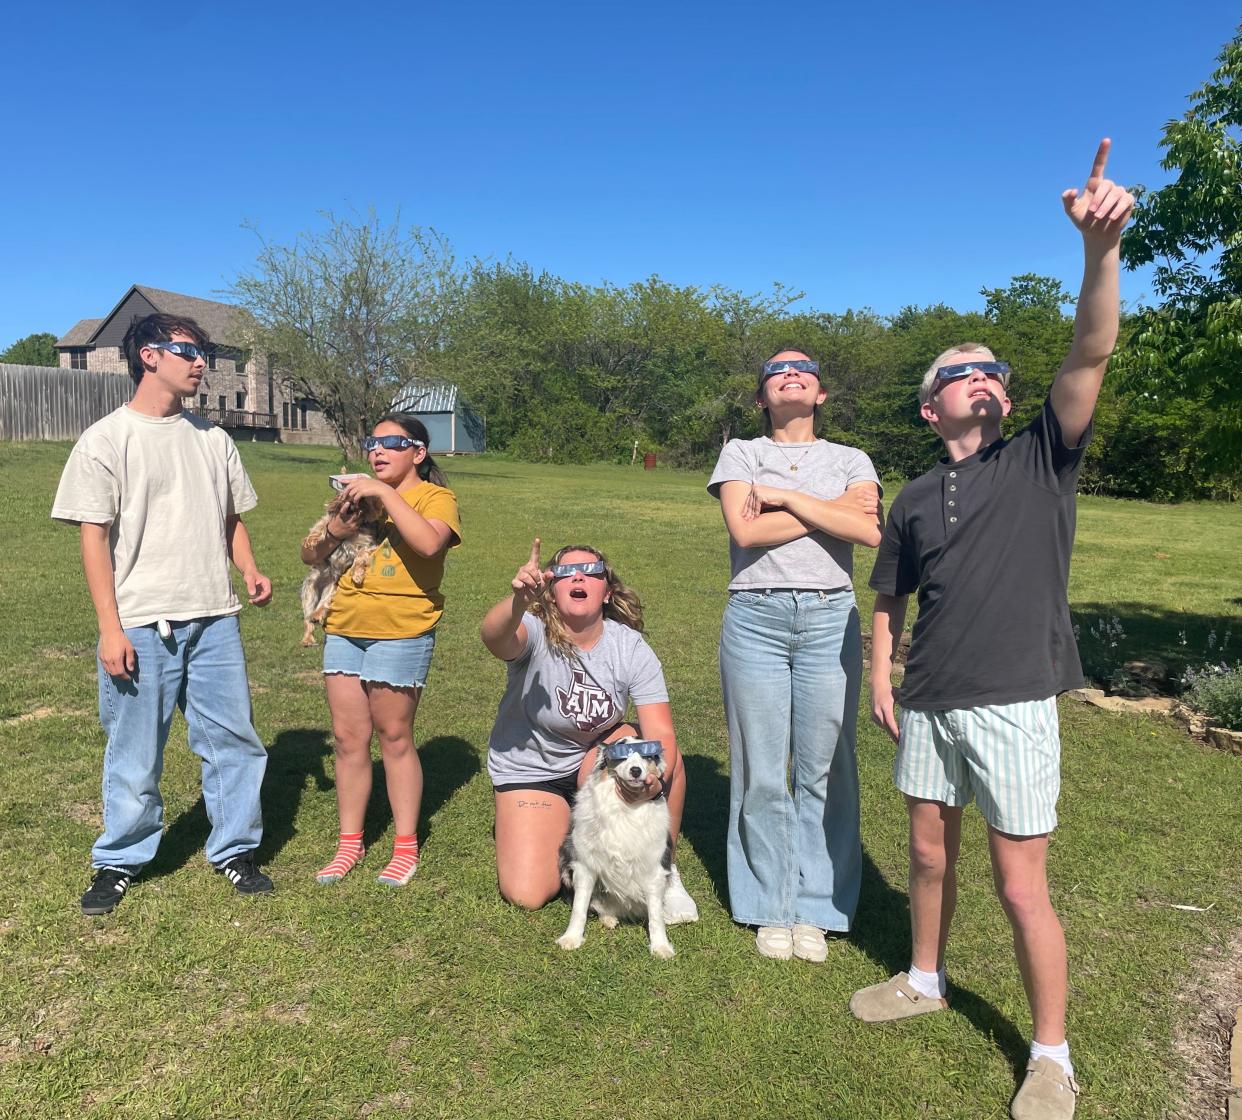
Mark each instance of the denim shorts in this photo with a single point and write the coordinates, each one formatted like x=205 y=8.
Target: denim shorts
x=399 y=662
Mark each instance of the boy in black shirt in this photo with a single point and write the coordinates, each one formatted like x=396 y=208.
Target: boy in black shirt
x=985 y=538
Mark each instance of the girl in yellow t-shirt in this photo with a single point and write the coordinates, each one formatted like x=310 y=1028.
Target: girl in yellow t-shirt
x=379 y=638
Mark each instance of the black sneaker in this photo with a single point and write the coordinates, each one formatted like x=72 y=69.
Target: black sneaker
x=106 y=890
x=242 y=873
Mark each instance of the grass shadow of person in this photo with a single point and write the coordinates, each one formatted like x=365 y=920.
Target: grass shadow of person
x=448 y=763
x=294 y=756
x=706 y=818
x=882 y=931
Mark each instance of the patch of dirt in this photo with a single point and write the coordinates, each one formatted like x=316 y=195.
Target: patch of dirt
x=42 y=713
x=1204 y=1042
x=85 y=812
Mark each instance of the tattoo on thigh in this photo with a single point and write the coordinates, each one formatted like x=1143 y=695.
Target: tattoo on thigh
x=524 y=804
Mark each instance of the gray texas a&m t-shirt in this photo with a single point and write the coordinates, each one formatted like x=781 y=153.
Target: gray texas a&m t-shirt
x=554 y=708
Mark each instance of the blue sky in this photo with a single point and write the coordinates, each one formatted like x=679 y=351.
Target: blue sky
x=877 y=154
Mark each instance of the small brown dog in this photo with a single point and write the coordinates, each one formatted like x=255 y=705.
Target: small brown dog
x=353 y=554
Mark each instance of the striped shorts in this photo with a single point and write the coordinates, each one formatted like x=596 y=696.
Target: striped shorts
x=1005 y=756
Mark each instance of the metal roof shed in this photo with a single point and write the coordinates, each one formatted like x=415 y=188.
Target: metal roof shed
x=455 y=428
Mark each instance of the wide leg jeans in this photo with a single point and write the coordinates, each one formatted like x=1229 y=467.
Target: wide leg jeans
x=791 y=672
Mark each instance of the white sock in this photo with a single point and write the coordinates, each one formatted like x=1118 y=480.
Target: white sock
x=1059 y=1054
x=929 y=984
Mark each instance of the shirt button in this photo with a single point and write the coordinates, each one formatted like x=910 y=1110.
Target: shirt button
x=953 y=474
x=953 y=503
x=952 y=518
x=952 y=487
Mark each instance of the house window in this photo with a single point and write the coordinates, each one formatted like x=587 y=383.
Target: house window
x=284 y=414
x=223 y=398
x=77 y=359
x=304 y=410
x=211 y=361
x=202 y=401
x=241 y=398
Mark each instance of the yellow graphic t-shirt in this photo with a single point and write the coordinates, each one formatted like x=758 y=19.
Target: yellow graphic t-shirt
x=400 y=596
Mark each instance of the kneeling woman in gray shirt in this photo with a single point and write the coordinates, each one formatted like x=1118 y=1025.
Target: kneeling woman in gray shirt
x=791 y=665
x=571 y=636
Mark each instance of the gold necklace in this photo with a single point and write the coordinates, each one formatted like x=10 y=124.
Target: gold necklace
x=793 y=463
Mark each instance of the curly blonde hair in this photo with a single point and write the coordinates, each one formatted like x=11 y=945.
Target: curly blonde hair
x=623 y=604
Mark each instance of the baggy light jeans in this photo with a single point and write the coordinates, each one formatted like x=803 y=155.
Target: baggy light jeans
x=791 y=672
x=201 y=670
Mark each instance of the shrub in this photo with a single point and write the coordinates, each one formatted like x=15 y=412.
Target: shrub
x=1216 y=691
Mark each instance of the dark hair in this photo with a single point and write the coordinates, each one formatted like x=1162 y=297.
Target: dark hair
x=157 y=328
x=416 y=429
x=767 y=419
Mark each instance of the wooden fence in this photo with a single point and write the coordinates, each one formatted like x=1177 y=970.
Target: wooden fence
x=42 y=402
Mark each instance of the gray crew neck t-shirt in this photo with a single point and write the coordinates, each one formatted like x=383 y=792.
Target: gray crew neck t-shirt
x=818 y=561
x=555 y=707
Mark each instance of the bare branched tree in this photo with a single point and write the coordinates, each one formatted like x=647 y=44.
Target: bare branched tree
x=350 y=314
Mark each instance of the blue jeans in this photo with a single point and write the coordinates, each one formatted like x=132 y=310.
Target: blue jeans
x=791 y=671
x=201 y=670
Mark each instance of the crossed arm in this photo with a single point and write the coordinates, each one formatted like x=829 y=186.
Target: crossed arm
x=762 y=516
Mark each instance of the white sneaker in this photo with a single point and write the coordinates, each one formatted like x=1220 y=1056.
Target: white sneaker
x=679 y=907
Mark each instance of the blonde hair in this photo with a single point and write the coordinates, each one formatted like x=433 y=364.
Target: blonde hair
x=929 y=378
x=623 y=604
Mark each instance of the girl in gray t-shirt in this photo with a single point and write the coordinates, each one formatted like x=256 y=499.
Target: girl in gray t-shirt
x=791 y=665
x=571 y=636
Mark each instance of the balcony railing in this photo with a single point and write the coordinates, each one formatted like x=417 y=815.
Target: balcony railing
x=236 y=417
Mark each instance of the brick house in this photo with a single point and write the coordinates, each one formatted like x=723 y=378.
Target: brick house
x=239 y=392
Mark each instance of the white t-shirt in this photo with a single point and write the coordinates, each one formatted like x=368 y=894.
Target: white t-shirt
x=164 y=485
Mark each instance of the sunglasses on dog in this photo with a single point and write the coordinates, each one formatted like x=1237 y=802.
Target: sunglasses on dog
x=591 y=568
x=389 y=443
x=997 y=371
x=798 y=365
x=186 y=350
x=644 y=748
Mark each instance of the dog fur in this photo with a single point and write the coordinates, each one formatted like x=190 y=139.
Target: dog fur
x=352 y=555
x=617 y=855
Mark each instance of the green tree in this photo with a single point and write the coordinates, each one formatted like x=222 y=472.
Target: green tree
x=352 y=313
x=33 y=350
x=1189 y=348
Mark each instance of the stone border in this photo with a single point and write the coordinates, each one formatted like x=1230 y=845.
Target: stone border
x=1196 y=726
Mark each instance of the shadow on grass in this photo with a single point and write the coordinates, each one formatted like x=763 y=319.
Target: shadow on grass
x=1179 y=639
x=882 y=931
x=706 y=818
x=295 y=755
x=448 y=764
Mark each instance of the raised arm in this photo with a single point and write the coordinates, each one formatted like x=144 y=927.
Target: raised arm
x=1100 y=212
x=502 y=630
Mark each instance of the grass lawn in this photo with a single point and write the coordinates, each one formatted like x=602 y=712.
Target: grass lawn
x=439 y=1000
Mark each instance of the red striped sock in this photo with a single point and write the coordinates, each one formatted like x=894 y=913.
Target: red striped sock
x=404 y=862
x=349 y=851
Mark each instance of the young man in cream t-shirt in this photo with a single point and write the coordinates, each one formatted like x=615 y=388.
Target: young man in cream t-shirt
x=158 y=496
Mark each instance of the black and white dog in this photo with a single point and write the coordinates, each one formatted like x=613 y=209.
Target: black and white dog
x=617 y=855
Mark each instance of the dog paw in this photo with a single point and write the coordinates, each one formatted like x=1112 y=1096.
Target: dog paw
x=663 y=950
x=570 y=941
x=608 y=921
